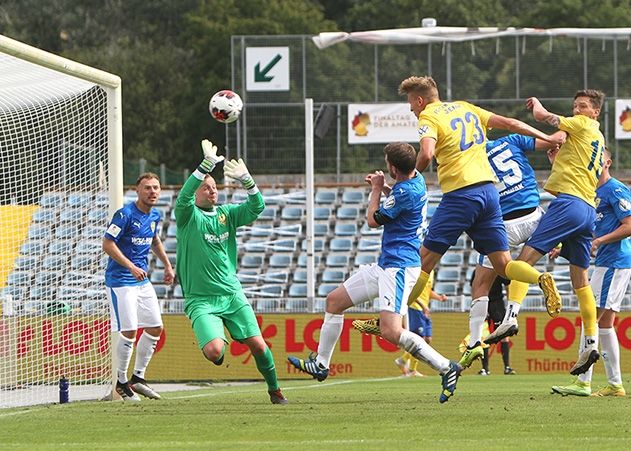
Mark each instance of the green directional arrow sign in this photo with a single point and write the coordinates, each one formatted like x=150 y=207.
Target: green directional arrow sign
x=261 y=75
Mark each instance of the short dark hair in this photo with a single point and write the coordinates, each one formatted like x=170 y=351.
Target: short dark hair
x=147 y=175
x=596 y=97
x=401 y=155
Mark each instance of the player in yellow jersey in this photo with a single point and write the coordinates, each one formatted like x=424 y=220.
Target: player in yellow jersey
x=570 y=218
x=455 y=133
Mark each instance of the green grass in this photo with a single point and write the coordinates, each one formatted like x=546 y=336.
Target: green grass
x=495 y=412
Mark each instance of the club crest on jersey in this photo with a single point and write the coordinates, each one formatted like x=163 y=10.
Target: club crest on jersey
x=222 y=219
x=153 y=226
x=597 y=202
x=389 y=202
x=624 y=205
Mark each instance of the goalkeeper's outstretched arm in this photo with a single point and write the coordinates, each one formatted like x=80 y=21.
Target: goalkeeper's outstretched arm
x=248 y=211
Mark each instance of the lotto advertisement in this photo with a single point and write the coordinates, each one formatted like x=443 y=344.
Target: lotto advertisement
x=53 y=348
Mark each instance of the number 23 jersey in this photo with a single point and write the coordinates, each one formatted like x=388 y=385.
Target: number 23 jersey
x=459 y=129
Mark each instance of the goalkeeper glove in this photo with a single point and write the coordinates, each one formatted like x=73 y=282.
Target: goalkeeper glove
x=237 y=170
x=210 y=157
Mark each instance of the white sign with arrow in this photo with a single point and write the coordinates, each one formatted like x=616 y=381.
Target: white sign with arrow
x=267 y=68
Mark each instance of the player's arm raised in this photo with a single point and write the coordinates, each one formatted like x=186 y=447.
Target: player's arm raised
x=377 y=181
x=249 y=210
x=541 y=114
x=516 y=126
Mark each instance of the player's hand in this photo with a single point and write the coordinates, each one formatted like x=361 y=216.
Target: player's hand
x=552 y=154
x=210 y=156
x=169 y=275
x=426 y=311
x=443 y=297
x=377 y=180
x=237 y=170
x=138 y=273
x=595 y=245
x=532 y=102
x=557 y=139
x=554 y=253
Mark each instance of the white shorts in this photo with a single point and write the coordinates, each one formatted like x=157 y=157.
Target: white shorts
x=609 y=286
x=133 y=307
x=391 y=286
x=518 y=231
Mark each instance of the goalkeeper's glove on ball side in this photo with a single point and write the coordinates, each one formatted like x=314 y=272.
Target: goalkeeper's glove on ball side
x=210 y=157
x=238 y=171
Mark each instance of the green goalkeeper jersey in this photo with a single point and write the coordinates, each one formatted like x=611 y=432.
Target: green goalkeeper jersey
x=206 y=262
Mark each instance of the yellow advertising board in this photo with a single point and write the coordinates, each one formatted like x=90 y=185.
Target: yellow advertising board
x=544 y=345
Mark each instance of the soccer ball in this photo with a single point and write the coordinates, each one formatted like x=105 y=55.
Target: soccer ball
x=225 y=106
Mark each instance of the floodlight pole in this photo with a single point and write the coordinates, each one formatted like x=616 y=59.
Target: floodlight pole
x=309 y=202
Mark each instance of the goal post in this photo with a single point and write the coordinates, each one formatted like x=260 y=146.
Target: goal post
x=61 y=179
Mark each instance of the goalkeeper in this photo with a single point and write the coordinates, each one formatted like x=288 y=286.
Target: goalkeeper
x=207 y=261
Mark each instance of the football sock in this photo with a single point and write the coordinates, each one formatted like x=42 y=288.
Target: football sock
x=407 y=357
x=416 y=346
x=265 y=365
x=517 y=291
x=587 y=307
x=505 y=347
x=144 y=351
x=414 y=365
x=124 y=349
x=584 y=343
x=329 y=334
x=477 y=316
x=418 y=288
x=522 y=271
x=611 y=354
x=485 y=360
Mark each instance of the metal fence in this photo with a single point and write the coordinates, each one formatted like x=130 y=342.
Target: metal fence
x=497 y=74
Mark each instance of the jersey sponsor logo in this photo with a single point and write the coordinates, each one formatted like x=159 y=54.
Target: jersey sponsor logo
x=422 y=130
x=624 y=205
x=599 y=217
x=597 y=202
x=213 y=239
x=389 y=202
x=222 y=219
x=141 y=241
x=113 y=230
x=153 y=227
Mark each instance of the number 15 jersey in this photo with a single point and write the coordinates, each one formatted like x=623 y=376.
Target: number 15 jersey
x=459 y=129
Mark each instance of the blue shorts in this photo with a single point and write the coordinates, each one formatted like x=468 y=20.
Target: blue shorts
x=474 y=210
x=420 y=324
x=570 y=221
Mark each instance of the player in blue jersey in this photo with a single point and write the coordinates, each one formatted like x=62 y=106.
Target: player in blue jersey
x=392 y=278
x=133 y=301
x=609 y=279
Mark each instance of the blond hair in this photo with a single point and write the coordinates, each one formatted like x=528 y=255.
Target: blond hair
x=425 y=87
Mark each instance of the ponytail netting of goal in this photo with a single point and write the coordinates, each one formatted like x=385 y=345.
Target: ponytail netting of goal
x=60 y=181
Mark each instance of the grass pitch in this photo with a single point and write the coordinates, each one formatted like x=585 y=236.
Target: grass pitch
x=494 y=412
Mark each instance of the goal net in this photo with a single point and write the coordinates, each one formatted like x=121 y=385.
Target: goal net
x=55 y=176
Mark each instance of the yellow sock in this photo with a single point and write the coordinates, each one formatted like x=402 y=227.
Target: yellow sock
x=517 y=291
x=587 y=307
x=522 y=271
x=406 y=357
x=418 y=288
x=414 y=364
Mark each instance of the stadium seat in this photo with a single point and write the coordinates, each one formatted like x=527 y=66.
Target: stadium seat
x=341 y=245
x=60 y=247
x=77 y=278
x=466 y=291
x=256 y=246
x=39 y=232
x=300 y=275
x=41 y=292
x=298 y=290
x=83 y=262
x=346 y=229
x=67 y=231
x=284 y=245
x=327 y=197
x=452 y=259
x=276 y=277
x=292 y=213
x=33 y=247
x=295 y=197
x=321 y=229
x=431 y=209
x=55 y=262
x=157 y=276
x=337 y=260
x=302 y=260
x=248 y=276
x=98 y=215
x=25 y=262
x=352 y=196
x=79 y=199
x=170 y=245
x=172 y=230
x=71 y=215
x=325 y=288
x=322 y=213
x=47 y=277
x=469 y=274
x=20 y=278
x=448 y=288
x=238 y=197
x=91 y=247
x=366 y=258
x=70 y=293
x=368 y=244
x=91 y=231
x=102 y=200
x=461 y=244
x=165 y=199
x=262 y=230
x=16 y=293
x=177 y=292
x=333 y=276
x=160 y=265
x=222 y=198
x=46 y=215
x=350 y=213
x=272 y=196
x=318 y=245
x=365 y=230
x=161 y=290
x=565 y=288
x=280 y=261
x=268 y=214
x=448 y=275
x=52 y=200
x=252 y=261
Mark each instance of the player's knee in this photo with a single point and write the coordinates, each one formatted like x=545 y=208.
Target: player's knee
x=333 y=305
x=390 y=332
x=257 y=347
x=213 y=350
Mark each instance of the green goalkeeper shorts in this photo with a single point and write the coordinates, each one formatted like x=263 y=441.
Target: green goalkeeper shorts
x=209 y=316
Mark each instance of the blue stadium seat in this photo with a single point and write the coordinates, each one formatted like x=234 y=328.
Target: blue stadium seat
x=170 y=245
x=290 y=213
x=91 y=247
x=60 y=247
x=252 y=261
x=48 y=277
x=337 y=260
x=25 y=262
x=321 y=229
x=157 y=276
x=276 y=277
x=302 y=260
x=102 y=200
x=165 y=199
x=333 y=276
x=448 y=288
x=67 y=231
x=325 y=288
x=352 y=196
x=177 y=292
x=272 y=291
x=341 y=245
x=351 y=213
x=452 y=259
x=448 y=275
x=280 y=260
x=52 y=200
x=92 y=231
x=346 y=229
x=272 y=196
x=473 y=258
x=79 y=199
x=238 y=197
x=161 y=290
x=327 y=197
x=366 y=258
x=41 y=292
x=248 y=276
x=33 y=247
x=262 y=230
x=17 y=293
x=55 y=262
x=461 y=244
x=300 y=275
x=369 y=244
x=268 y=214
x=318 y=245
x=322 y=213
x=83 y=262
x=172 y=259
x=77 y=278
x=39 y=232
x=98 y=215
x=256 y=246
x=172 y=230
x=285 y=245
x=71 y=215
x=20 y=278
x=46 y=215
x=365 y=230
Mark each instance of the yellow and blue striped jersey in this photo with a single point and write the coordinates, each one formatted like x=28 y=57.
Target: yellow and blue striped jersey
x=578 y=163
x=459 y=129
x=424 y=298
